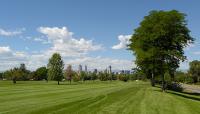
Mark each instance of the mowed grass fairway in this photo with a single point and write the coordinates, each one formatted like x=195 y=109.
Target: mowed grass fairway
x=114 y=97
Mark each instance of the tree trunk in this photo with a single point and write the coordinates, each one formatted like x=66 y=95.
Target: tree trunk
x=152 y=80
x=58 y=83
x=14 y=81
x=70 y=81
x=163 y=82
x=172 y=75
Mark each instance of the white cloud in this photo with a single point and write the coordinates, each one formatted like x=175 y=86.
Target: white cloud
x=63 y=42
x=196 y=53
x=11 y=33
x=10 y=58
x=5 y=50
x=102 y=63
x=73 y=51
x=190 y=46
x=124 y=41
x=41 y=39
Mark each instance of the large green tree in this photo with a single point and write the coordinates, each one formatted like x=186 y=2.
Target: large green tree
x=55 y=68
x=159 y=41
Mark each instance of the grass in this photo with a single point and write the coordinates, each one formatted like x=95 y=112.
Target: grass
x=114 y=97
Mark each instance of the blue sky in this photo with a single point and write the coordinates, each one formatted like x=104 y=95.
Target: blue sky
x=31 y=30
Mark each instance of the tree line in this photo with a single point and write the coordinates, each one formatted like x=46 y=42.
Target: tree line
x=55 y=71
x=43 y=73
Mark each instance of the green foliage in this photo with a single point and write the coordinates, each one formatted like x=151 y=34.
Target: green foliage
x=15 y=74
x=55 y=68
x=40 y=73
x=159 y=41
x=7 y=75
x=180 y=76
x=76 y=77
x=103 y=76
x=93 y=76
x=1 y=76
x=123 y=77
x=194 y=70
x=83 y=75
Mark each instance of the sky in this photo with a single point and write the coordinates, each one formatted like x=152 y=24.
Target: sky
x=87 y=32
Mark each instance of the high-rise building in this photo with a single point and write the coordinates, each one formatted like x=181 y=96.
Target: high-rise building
x=80 y=68
x=110 y=70
x=127 y=72
x=95 y=71
x=85 y=68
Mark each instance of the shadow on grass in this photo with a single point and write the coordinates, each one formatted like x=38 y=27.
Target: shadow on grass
x=186 y=95
x=192 y=96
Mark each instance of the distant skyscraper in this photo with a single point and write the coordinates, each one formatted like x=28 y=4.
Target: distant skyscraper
x=85 y=68
x=80 y=68
x=95 y=70
x=127 y=71
x=122 y=72
x=110 y=70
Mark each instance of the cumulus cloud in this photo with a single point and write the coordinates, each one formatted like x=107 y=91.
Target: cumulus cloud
x=101 y=63
x=41 y=39
x=10 y=58
x=196 y=53
x=124 y=41
x=63 y=42
x=5 y=50
x=7 y=33
x=73 y=50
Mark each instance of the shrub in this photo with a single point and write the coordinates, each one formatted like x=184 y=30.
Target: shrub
x=123 y=77
x=174 y=86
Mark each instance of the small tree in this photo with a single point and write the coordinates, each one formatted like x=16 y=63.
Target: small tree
x=55 y=68
x=93 y=76
x=16 y=74
x=69 y=73
x=83 y=75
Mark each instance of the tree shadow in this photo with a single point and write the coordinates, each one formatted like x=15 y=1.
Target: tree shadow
x=68 y=84
x=188 y=95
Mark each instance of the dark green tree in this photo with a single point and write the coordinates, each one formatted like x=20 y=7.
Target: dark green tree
x=1 y=75
x=40 y=73
x=83 y=75
x=159 y=41
x=55 y=68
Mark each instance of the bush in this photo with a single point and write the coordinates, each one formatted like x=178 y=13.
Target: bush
x=174 y=86
x=76 y=78
x=123 y=77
